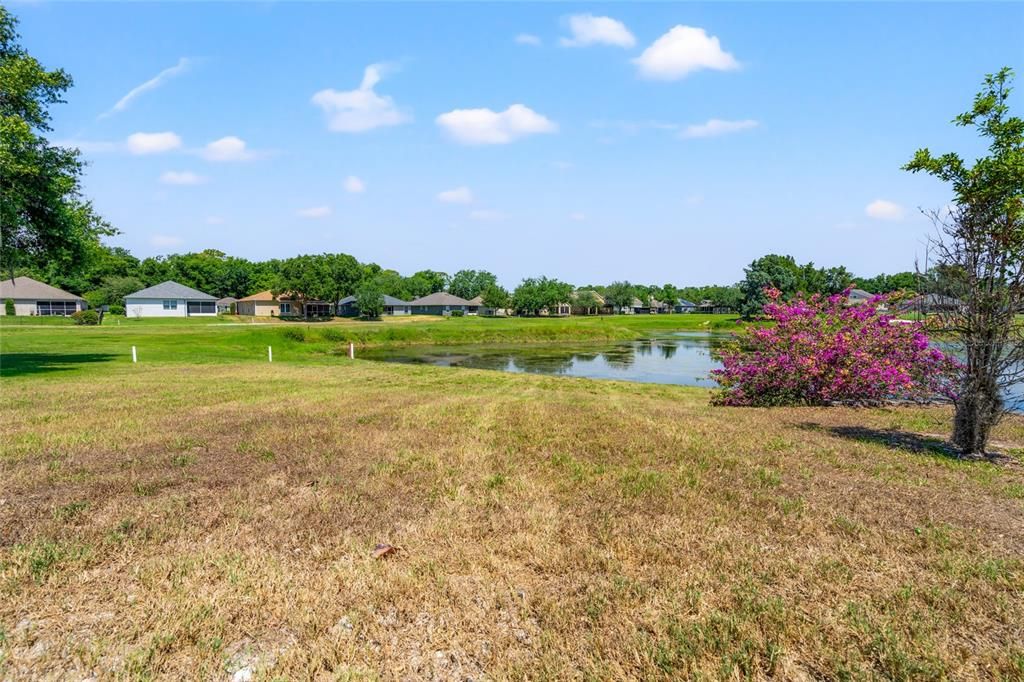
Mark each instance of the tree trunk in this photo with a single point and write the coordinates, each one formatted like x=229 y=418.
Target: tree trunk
x=977 y=411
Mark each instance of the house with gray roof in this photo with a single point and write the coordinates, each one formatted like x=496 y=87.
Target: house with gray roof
x=348 y=306
x=170 y=299
x=32 y=297
x=443 y=303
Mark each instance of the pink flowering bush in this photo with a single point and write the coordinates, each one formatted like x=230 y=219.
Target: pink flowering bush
x=822 y=351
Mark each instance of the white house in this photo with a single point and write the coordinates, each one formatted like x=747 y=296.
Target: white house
x=35 y=298
x=169 y=299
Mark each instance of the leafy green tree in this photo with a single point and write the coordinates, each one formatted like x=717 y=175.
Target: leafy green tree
x=779 y=272
x=668 y=294
x=496 y=297
x=587 y=300
x=980 y=249
x=469 y=284
x=9 y=308
x=112 y=291
x=44 y=219
x=537 y=293
x=427 y=282
x=620 y=295
x=370 y=300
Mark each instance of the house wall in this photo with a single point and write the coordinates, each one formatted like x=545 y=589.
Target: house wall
x=257 y=308
x=154 y=307
x=25 y=307
x=437 y=309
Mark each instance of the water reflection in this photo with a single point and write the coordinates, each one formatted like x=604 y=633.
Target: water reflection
x=685 y=358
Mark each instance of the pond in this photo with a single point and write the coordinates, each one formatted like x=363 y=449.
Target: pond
x=684 y=358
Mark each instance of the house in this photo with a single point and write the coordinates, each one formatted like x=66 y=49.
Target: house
x=931 y=303
x=265 y=304
x=224 y=304
x=858 y=297
x=169 y=299
x=347 y=306
x=709 y=307
x=35 y=298
x=557 y=310
x=443 y=303
x=684 y=306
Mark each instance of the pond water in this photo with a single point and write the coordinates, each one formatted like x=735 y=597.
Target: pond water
x=684 y=358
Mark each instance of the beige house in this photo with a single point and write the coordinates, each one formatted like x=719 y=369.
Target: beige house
x=32 y=297
x=263 y=304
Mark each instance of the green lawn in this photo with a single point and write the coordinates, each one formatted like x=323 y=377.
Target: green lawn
x=40 y=348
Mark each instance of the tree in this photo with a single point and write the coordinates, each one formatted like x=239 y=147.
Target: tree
x=9 y=308
x=112 y=291
x=44 y=219
x=587 y=300
x=427 y=282
x=469 y=284
x=496 y=297
x=620 y=295
x=370 y=300
x=767 y=272
x=980 y=245
x=537 y=293
x=668 y=294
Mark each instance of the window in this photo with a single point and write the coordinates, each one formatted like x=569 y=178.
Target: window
x=286 y=308
x=202 y=307
x=62 y=308
x=170 y=305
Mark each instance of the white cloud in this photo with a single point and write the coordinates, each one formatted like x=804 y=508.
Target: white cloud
x=362 y=109
x=681 y=51
x=484 y=126
x=314 y=212
x=716 y=127
x=182 y=178
x=527 y=39
x=214 y=220
x=152 y=143
x=459 y=195
x=577 y=216
x=880 y=209
x=486 y=215
x=165 y=241
x=590 y=30
x=228 y=148
x=152 y=84
x=354 y=185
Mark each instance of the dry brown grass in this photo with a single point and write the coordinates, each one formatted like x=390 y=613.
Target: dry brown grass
x=176 y=522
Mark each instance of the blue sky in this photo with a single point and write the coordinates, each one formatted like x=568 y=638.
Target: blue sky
x=656 y=143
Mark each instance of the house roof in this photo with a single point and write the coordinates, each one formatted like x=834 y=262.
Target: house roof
x=576 y=295
x=388 y=300
x=686 y=304
x=171 y=289
x=860 y=294
x=22 y=288
x=441 y=298
x=226 y=300
x=261 y=296
x=479 y=300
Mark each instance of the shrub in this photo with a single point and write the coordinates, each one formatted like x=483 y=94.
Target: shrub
x=458 y=313
x=335 y=335
x=9 y=308
x=86 y=317
x=823 y=351
x=294 y=333
x=116 y=309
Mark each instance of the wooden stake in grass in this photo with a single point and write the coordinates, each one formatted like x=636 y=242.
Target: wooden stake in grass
x=352 y=351
x=270 y=354
x=134 y=357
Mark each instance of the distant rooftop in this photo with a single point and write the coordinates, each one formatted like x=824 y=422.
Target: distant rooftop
x=171 y=289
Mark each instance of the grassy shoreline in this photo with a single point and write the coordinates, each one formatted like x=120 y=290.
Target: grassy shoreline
x=220 y=340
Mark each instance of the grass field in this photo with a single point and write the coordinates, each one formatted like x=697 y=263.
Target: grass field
x=34 y=348
x=182 y=519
